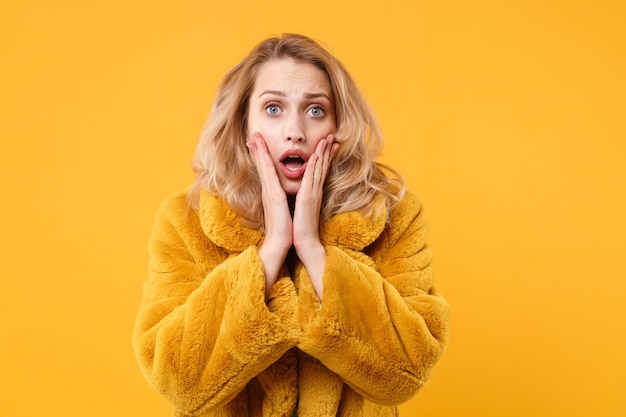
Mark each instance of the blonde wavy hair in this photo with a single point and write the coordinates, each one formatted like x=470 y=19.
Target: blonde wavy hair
x=223 y=165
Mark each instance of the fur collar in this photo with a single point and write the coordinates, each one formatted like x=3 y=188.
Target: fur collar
x=349 y=230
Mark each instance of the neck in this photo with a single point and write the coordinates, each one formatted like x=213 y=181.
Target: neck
x=291 y=200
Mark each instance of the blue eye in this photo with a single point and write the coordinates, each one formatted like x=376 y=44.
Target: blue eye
x=272 y=109
x=316 y=111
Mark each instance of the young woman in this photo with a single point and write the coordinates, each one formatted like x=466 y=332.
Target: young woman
x=293 y=277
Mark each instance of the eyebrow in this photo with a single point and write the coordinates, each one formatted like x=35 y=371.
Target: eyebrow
x=273 y=92
x=306 y=95
x=316 y=95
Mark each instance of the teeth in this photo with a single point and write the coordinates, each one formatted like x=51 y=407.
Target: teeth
x=293 y=158
x=293 y=162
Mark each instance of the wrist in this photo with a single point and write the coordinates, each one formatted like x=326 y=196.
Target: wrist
x=276 y=245
x=311 y=253
x=273 y=253
x=314 y=260
x=272 y=258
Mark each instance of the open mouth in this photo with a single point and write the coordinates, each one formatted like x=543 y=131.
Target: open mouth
x=293 y=163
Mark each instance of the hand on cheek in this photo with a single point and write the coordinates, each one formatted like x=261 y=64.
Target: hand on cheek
x=306 y=220
x=303 y=231
x=278 y=223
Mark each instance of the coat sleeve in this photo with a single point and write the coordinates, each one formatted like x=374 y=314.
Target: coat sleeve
x=382 y=326
x=203 y=329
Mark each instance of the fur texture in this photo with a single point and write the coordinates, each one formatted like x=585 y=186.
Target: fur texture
x=207 y=340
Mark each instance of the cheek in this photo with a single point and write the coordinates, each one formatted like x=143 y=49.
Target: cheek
x=269 y=131
x=323 y=129
x=258 y=124
x=251 y=123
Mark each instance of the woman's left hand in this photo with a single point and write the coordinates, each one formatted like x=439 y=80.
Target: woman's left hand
x=306 y=219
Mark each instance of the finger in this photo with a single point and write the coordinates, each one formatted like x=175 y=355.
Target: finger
x=262 y=150
x=328 y=151
x=319 y=171
x=254 y=155
x=262 y=160
x=328 y=157
x=309 y=174
x=260 y=142
x=334 y=150
x=332 y=144
x=310 y=181
x=251 y=147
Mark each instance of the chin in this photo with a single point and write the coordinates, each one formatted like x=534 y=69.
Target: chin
x=291 y=187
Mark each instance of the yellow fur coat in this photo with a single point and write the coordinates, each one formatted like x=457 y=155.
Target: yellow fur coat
x=207 y=340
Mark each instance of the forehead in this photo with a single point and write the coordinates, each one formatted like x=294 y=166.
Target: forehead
x=291 y=77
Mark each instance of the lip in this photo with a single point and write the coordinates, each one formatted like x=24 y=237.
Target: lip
x=293 y=174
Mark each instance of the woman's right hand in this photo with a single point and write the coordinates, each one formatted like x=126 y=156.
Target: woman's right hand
x=278 y=223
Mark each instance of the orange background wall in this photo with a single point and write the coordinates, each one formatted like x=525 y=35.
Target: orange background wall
x=506 y=117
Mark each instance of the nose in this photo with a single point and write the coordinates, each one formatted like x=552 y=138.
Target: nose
x=294 y=131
